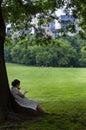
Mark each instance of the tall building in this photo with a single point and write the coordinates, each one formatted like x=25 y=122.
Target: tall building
x=50 y=29
x=67 y=21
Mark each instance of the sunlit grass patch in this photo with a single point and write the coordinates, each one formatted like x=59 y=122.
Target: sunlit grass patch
x=59 y=90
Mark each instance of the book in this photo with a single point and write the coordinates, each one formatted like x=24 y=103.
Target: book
x=24 y=92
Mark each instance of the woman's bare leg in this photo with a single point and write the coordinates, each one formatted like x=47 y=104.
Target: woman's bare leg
x=40 y=109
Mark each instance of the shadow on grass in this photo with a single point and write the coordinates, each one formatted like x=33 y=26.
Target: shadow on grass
x=63 y=121
x=75 y=121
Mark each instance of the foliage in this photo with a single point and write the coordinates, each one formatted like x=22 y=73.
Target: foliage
x=57 y=53
x=78 y=9
x=21 y=13
x=60 y=52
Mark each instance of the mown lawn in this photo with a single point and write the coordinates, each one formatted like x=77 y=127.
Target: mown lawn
x=59 y=90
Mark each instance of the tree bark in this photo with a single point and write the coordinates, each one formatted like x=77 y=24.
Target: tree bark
x=4 y=86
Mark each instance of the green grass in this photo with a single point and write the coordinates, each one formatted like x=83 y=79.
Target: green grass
x=59 y=90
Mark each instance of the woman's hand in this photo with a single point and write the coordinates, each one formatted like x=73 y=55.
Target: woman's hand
x=24 y=92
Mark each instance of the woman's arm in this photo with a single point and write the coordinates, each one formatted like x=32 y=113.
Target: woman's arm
x=21 y=95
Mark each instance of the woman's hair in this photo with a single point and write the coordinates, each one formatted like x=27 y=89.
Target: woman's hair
x=15 y=82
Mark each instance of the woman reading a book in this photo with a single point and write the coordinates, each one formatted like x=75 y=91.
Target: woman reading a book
x=22 y=100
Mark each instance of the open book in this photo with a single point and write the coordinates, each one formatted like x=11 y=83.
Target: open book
x=24 y=92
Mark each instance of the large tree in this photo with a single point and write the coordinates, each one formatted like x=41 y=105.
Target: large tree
x=20 y=13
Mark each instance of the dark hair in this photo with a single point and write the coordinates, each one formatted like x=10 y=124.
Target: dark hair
x=15 y=82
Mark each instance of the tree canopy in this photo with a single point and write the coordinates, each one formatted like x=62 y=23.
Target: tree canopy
x=21 y=12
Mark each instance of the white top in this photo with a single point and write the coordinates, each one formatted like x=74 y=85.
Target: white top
x=24 y=102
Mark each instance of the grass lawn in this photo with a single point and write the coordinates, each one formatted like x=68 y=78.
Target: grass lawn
x=59 y=90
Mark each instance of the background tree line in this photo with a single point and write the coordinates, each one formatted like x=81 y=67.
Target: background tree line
x=59 y=52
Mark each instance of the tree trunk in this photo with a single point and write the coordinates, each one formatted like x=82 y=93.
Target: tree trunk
x=7 y=102
x=4 y=86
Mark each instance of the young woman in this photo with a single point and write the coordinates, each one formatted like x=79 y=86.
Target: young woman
x=22 y=100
